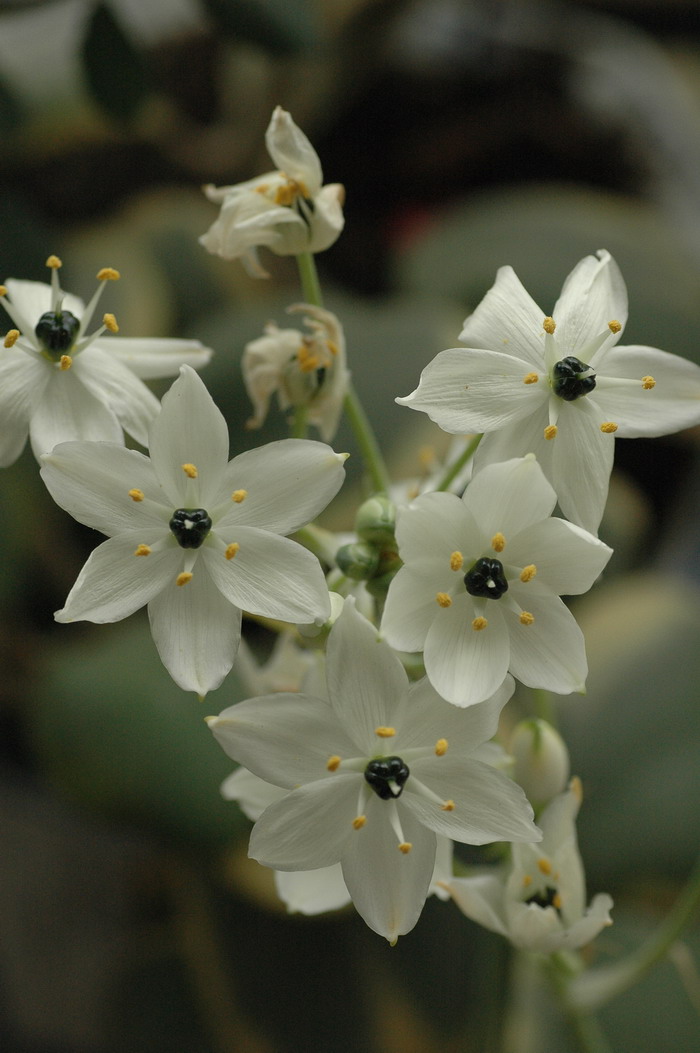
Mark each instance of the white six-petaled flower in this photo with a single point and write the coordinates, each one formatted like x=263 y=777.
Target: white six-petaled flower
x=194 y=535
x=479 y=589
x=373 y=776
x=289 y=210
x=558 y=386
x=59 y=383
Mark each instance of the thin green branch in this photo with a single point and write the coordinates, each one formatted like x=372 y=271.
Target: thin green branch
x=453 y=470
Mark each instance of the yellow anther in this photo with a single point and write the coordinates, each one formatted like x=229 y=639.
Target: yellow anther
x=441 y=747
x=110 y=322
x=182 y=579
x=531 y=378
x=527 y=880
x=189 y=470
x=576 y=788
x=262 y=188
x=544 y=866
x=528 y=572
x=456 y=561
x=11 y=338
x=231 y=550
x=549 y=325
x=526 y=618
x=285 y=194
x=405 y=847
x=550 y=431
x=648 y=383
x=448 y=806
x=108 y=274
x=426 y=456
x=358 y=822
x=614 y=326
x=308 y=362
x=385 y=733
x=608 y=427
x=65 y=362
x=443 y=599
x=479 y=623
x=498 y=542
x=142 y=550
x=136 y=495
x=239 y=495
x=54 y=263
x=3 y=290
x=556 y=901
x=333 y=763
x=333 y=348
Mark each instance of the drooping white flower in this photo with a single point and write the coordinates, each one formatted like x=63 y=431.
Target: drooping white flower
x=194 y=535
x=479 y=589
x=301 y=369
x=558 y=386
x=539 y=901
x=373 y=776
x=289 y=210
x=59 y=383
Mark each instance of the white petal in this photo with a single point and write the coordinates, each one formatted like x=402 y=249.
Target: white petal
x=150 y=358
x=470 y=390
x=507 y=319
x=429 y=718
x=68 y=411
x=196 y=631
x=517 y=440
x=32 y=299
x=22 y=381
x=113 y=384
x=674 y=402
x=252 y=794
x=481 y=899
x=550 y=653
x=592 y=295
x=464 y=665
x=312 y=891
x=582 y=459
x=433 y=527
x=292 y=152
x=510 y=496
x=568 y=558
x=328 y=219
x=269 y=575
x=410 y=608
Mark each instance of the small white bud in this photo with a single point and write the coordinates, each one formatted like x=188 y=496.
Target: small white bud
x=541 y=760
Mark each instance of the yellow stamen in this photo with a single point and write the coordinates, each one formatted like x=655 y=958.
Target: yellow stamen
x=443 y=599
x=142 y=550
x=65 y=362
x=498 y=542
x=231 y=550
x=108 y=274
x=333 y=763
x=405 y=847
x=426 y=456
x=308 y=362
x=556 y=901
x=189 y=470
x=648 y=383
x=3 y=290
x=184 y=578
x=608 y=427
x=526 y=618
x=358 y=822
x=385 y=733
x=262 y=188
x=456 y=561
x=136 y=495
x=441 y=747
x=549 y=325
x=614 y=326
x=550 y=431
x=544 y=866
x=528 y=572
x=527 y=880
x=530 y=378
x=479 y=623
x=54 y=263
x=11 y=338
x=285 y=194
x=110 y=322
x=576 y=788
x=239 y=495
x=448 y=806
x=333 y=348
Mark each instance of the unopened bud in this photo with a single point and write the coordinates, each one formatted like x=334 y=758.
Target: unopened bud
x=376 y=520
x=358 y=561
x=541 y=760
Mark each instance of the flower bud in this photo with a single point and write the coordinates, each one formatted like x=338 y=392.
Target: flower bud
x=358 y=561
x=541 y=760
x=376 y=520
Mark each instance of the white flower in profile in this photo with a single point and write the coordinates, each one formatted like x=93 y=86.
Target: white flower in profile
x=58 y=382
x=194 y=535
x=301 y=369
x=539 y=901
x=288 y=211
x=558 y=386
x=373 y=776
x=479 y=589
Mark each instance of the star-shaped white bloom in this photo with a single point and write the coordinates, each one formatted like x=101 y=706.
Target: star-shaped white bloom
x=194 y=535
x=373 y=776
x=558 y=386
x=58 y=382
x=539 y=902
x=289 y=211
x=480 y=586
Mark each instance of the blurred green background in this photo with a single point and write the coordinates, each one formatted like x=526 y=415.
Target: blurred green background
x=468 y=134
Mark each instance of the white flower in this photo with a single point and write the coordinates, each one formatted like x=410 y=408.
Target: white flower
x=480 y=586
x=288 y=211
x=59 y=383
x=304 y=370
x=373 y=775
x=539 y=902
x=558 y=386
x=194 y=535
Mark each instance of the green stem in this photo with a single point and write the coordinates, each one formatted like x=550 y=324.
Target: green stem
x=543 y=705
x=310 y=285
x=455 y=468
x=298 y=428
x=585 y=1025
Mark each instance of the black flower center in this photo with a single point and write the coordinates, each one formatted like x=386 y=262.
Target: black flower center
x=487 y=579
x=387 y=776
x=568 y=381
x=57 y=331
x=190 y=526
x=548 y=898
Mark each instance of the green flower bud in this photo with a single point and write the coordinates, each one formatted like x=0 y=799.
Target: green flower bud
x=541 y=760
x=376 y=520
x=358 y=561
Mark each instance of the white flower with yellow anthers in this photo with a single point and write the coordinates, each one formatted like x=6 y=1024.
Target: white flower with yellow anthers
x=373 y=776
x=302 y=369
x=194 y=535
x=479 y=589
x=58 y=382
x=288 y=211
x=558 y=386
x=539 y=902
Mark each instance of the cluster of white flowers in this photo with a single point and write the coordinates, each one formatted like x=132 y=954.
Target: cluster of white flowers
x=360 y=767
